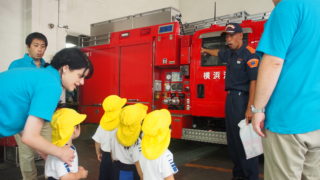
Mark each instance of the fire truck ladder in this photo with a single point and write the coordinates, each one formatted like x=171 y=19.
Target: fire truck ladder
x=238 y=17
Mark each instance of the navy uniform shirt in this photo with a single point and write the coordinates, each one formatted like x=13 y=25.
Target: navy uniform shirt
x=242 y=67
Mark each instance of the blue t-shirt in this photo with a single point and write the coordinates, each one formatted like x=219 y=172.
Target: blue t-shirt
x=24 y=62
x=292 y=34
x=24 y=92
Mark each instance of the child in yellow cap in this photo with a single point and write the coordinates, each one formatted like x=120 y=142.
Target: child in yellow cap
x=125 y=149
x=156 y=160
x=65 y=127
x=108 y=124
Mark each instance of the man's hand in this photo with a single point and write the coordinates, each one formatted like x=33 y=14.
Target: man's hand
x=83 y=173
x=258 y=123
x=67 y=155
x=248 y=115
x=212 y=52
x=42 y=155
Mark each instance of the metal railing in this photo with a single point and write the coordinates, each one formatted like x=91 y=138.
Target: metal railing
x=190 y=28
x=186 y=28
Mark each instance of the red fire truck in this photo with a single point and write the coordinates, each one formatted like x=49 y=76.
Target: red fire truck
x=161 y=67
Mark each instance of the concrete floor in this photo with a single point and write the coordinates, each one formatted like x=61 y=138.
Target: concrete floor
x=195 y=160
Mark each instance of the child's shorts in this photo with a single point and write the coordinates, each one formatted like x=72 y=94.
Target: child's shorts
x=123 y=171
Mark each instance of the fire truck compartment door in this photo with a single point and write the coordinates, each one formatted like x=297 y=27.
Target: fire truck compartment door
x=105 y=79
x=166 y=50
x=136 y=72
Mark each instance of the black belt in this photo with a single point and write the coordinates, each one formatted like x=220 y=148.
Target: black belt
x=124 y=166
x=51 y=178
x=237 y=92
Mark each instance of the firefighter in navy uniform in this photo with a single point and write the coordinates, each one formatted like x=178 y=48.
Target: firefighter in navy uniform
x=241 y=74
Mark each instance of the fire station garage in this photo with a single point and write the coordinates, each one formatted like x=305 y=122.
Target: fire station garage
x=155 y=104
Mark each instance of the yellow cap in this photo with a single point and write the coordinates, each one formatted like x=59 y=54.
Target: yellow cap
x=156 y=133
x=130 y=123
x=112 y=107
x=63 y=122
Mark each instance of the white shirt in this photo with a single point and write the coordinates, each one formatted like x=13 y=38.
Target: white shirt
x=56 y=168
x=104 y=138
x=159 y=168
x=125 y=155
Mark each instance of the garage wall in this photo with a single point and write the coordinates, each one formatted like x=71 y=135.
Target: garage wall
x=13 y=19
x=20 y=17
x=93 y=11
x=82 y=13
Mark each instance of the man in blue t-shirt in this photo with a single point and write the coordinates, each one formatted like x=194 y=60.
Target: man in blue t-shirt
x=36 y=44
x=288 y=86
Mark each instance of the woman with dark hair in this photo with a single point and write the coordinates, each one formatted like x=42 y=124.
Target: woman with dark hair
x=27 y=102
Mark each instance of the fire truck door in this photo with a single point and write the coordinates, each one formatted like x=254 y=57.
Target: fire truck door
x=208 y=97
x=136 y=73
x=209 y=77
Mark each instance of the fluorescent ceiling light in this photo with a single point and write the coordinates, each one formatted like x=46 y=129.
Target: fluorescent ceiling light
x=69 y=45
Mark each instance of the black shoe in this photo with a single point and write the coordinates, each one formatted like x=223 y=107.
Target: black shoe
x=238 y=178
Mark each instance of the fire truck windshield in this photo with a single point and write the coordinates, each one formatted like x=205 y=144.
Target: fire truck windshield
x=216 y=42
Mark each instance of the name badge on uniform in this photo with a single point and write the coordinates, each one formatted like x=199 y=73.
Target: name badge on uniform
x=239 y=60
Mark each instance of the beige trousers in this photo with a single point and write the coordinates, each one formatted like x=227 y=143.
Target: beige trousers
x=27 y=154
x=292 y=156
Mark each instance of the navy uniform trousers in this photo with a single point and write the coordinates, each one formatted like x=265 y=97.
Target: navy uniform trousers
x=236 y=106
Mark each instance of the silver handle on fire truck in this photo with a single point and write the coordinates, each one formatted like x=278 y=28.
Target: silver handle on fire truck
x=94 y=105
x=218 y=33
x=200 y=91
x=133 y=100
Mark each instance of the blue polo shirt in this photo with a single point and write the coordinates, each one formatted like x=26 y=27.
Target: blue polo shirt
x=24 y=62
x=24 y=92
x=242 y=67
x=292 y=34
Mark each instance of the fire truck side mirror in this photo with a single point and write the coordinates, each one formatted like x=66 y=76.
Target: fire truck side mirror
x=200 y=90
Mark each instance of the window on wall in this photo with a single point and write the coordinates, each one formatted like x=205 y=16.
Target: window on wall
x=72 y=97
x=72 y=41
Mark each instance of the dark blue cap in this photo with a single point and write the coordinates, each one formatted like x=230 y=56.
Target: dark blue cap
x=233 y=28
